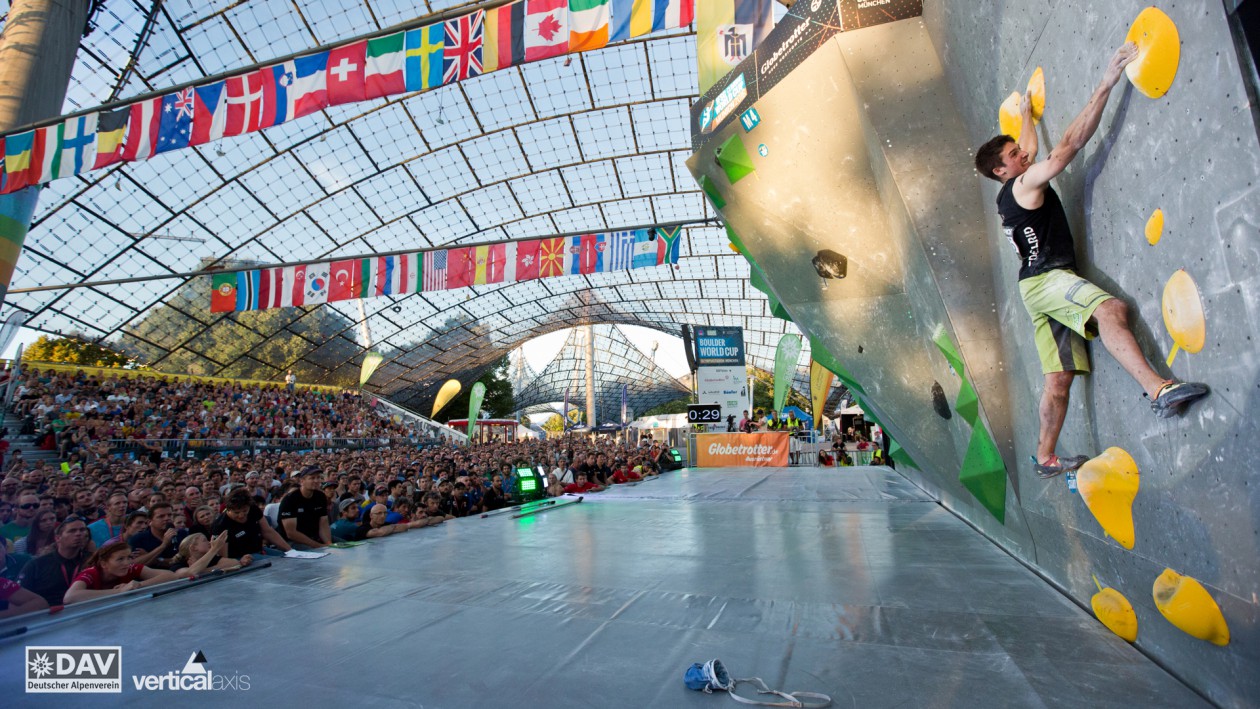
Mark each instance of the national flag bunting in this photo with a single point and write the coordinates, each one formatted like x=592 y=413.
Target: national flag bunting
x=48 y=140
x=175 y=124
x=504 y=43
x=21 y=161
x=209 y=113
x=588 y=24
x=424 y=57
x=546 y=28
x=309 y=90
x=111 y=129
x=443 y=269
x=434 y=271
x=78 y=145
x=462 y=54
x=223 y=293
x=383 y=73
x=346 y=72
x=316 y=288
x=411 y=60
x=142 y=129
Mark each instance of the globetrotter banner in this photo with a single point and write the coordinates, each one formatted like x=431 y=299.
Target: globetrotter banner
x=739 y=450
x=411 y=59
x=442 y=269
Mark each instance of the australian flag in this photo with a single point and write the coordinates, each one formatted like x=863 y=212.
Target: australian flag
x=175 y=124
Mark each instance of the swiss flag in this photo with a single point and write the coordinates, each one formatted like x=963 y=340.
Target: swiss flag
x=345 y=73
x=527 y=259
x=346 y=277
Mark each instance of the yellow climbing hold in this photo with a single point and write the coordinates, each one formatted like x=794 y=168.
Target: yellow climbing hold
x=1155 y=227
x=1037 y=91
x=1183 y=314
x=1186 y=604
x=1108 y=485
x=1114 y=611
x=735 y=248
x=1159 y=51
x=1009 y=119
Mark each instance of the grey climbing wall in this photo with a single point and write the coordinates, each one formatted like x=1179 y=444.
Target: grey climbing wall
x=864 y=149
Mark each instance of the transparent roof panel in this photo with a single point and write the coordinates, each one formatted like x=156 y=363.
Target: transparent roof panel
x=588 y=142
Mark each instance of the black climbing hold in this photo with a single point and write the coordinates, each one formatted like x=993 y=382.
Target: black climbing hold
x=939 y=403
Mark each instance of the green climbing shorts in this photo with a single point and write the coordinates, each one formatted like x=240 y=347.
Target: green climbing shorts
x=1061 y=304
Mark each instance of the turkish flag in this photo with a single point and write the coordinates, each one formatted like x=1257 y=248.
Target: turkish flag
x=345 y=277
x=345 y=73
x=527 y=259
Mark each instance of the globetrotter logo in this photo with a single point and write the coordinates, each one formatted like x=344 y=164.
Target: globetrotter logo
x=725 y=449
x=194 y=677
x=74 y=669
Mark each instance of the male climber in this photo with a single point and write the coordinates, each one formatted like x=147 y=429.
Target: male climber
x=1066 y=308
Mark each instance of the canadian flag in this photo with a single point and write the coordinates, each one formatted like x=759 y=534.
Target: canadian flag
x=546 y=29
x=345 y=73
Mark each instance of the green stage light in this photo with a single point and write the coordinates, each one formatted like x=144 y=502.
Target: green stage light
x=529 y=485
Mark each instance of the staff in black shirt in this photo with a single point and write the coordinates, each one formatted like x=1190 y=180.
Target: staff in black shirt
x=304 y=512
x=247 y=529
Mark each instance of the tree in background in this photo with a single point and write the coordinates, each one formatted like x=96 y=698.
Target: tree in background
x=554 y=424
x=498 y=401
x=181 y=336
x=677 y=406
x=74 y=350
x=763 y=394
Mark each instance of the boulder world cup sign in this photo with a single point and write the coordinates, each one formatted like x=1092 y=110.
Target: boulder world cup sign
x=74 y=669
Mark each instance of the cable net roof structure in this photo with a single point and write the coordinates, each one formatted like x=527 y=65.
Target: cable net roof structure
x=617 y=363
x=588 y=142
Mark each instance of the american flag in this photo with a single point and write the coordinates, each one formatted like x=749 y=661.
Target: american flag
x=462 y=55
x=435 y=271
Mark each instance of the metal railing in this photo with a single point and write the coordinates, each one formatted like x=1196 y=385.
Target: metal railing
x=423 y=424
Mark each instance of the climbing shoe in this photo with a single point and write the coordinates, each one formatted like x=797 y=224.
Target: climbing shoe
x=1057 y=466
x=1174 y=397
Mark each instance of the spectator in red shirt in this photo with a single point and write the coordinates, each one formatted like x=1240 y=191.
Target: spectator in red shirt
x=583 y=486
x=108 y=571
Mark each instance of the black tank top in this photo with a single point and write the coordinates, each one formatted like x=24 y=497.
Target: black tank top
x=1041 y=236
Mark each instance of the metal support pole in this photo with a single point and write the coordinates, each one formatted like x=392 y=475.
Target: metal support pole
x=590 y=377
x=37 y=51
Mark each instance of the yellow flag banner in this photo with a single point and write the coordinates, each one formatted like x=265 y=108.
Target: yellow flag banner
x=820 y=379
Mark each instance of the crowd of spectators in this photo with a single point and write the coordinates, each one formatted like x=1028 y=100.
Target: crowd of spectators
x=84 y=417
x=112 y=523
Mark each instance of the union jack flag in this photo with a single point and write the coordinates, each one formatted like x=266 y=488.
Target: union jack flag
x=184 y=104
x=461 y=57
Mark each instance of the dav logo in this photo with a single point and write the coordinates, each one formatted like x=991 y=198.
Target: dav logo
x=74 y=669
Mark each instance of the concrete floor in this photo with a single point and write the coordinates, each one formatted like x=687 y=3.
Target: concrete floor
x=850 y=582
